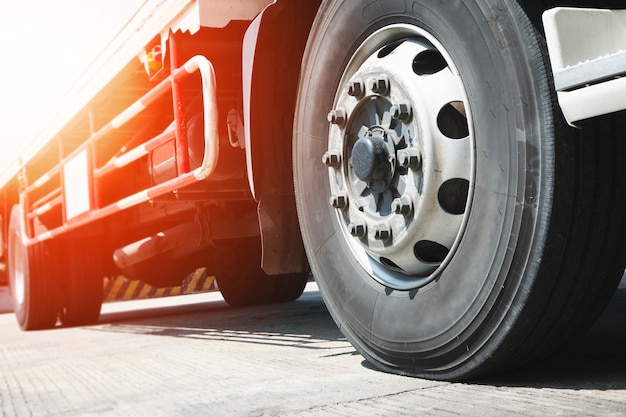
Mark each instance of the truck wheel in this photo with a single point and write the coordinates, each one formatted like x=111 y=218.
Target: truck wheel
x=245 y=283
x=82 y=284
x=454 y=224
x=289 y=287
x=33 y=278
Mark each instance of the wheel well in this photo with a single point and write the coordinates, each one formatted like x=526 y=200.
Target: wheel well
x=272 y=54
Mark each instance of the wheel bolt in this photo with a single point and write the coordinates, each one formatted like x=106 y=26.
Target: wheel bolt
x=409 y=158
x=339 y=201
x=332 y=159
x=337 y=116
x=382 y=232
x=358 y=228
x=379 y=85
x=356 y=88
x=401 y=111
x=402 y=205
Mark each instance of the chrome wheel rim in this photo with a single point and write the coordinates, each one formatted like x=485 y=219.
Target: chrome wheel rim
x=400 y=157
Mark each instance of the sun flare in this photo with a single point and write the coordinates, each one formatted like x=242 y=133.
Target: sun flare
x=46 y=46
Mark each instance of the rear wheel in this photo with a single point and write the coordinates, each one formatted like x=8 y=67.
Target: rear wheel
x=82 y=284
x=33 y=277
x=448 y=233
x=245 y=283
x=289 y=287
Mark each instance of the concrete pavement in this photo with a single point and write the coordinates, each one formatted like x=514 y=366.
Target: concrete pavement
x=193 y=355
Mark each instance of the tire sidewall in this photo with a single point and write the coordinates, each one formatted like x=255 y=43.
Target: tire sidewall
x=504 y=229
x=16 y=237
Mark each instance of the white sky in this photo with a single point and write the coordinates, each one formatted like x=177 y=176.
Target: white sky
x=44 y=46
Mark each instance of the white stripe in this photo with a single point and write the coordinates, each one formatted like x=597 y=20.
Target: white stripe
x=44 y=236
x=133 y=200
x=131 y=156
x=43 y=209
x=128 y=114
x=192 y=65
x=41 y=181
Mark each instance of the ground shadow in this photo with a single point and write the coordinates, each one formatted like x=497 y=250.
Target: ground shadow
x=597 y=360
x=303 y=323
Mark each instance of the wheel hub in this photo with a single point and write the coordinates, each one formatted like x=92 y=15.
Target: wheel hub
x=373 y=160
x=400 y=157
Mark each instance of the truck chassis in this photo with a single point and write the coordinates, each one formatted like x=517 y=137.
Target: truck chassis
x=414 y=159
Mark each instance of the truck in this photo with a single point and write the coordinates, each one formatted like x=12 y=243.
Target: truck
x=448 y=171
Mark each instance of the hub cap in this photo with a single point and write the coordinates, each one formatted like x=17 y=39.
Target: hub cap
x=401 y=157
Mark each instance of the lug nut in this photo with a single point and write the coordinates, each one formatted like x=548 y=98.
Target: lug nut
x=409 y=158
x=356 y=88
x=339 y=201
x=337 y=116
x=358 y=228
x=402 y=205
x=382 y=232
x=379 y=85
x=401 y=111
x=332 y=159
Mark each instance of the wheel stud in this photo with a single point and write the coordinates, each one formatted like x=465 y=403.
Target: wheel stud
x=356 y=88
x=339 y=201
x=402 y=205
x=332 y=159
x=409 y=158
x=382 y=232
x=401 y=111
x=358 y=228
x=379 y=85
x=337 y=116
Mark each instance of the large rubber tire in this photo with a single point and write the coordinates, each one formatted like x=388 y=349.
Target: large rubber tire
x=82 y=284
x=289 y=287
x=497 y=234
x=33 y=277
x=245 y=283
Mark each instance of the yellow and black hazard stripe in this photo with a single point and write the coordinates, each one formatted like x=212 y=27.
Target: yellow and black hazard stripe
x=122 y=288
